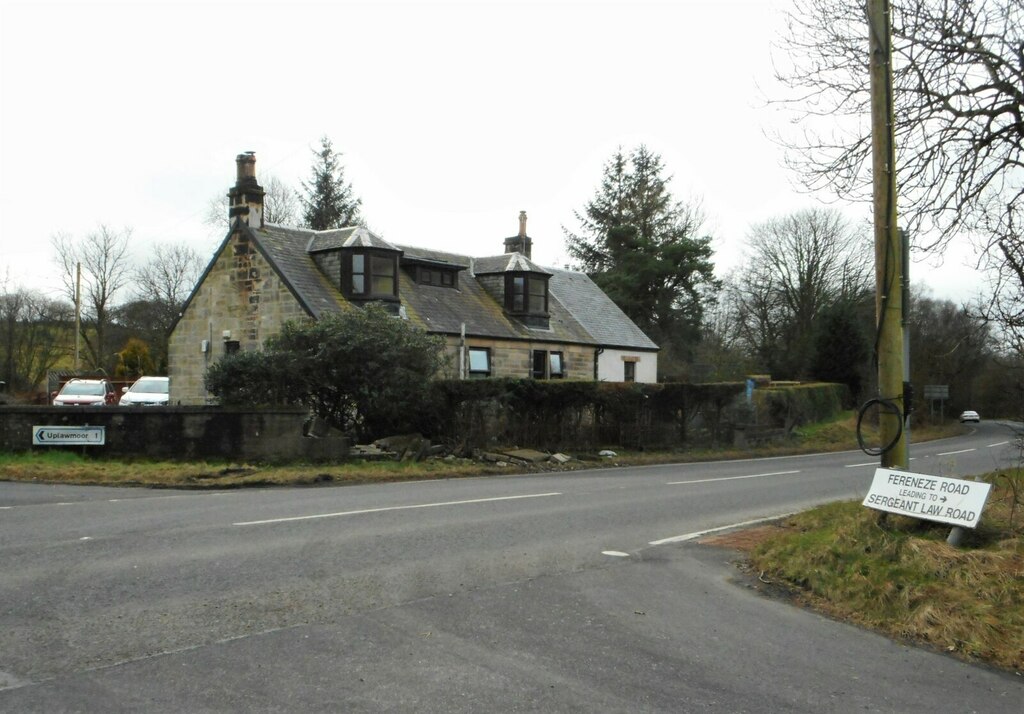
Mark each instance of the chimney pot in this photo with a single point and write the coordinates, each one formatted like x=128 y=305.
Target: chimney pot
x=246 y=166
x=520 y=243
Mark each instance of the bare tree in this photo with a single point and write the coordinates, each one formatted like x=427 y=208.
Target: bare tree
x=720 y=356
x=758 y=317
x=106 y=268
x=1005 y=305
x=958 y=84
x=949 y=346
x=163 y=284
x=168 y=277
x=33 y=337
x=797 y=266
x=281 y=206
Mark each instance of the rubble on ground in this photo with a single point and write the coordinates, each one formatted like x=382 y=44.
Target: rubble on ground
x=416 y=447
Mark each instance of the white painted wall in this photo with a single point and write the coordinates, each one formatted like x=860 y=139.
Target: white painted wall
x=610 y=369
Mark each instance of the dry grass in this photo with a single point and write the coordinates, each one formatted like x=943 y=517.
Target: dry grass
x=73 y=469
x=901 y=578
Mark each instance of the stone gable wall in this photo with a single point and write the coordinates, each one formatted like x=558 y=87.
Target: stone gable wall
x=242 y=299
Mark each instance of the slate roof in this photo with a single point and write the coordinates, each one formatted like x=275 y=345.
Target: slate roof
x=506 y=263
x=351 y=237
x=580 y=312
x=595 y=311
x=285 y=248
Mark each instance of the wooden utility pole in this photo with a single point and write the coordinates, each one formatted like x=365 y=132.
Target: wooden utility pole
x=888 y=245
x=78 y=312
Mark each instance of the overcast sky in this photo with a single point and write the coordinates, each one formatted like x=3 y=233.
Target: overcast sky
x=451 y=117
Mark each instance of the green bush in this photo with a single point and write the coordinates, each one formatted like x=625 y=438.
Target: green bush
x=364 y=371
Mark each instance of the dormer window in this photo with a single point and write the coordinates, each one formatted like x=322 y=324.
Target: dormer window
x=519 y=285
x=441 y=277
x=526 y=294
x=370 y=275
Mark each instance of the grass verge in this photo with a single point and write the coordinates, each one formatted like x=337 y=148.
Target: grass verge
x=899 y=576
x=72 y=468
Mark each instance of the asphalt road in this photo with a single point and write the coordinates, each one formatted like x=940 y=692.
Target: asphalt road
x=583 y=591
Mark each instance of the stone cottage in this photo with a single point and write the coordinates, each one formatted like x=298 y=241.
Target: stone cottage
x=500 y=316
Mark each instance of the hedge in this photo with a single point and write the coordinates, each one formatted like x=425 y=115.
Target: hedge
x=569 y=415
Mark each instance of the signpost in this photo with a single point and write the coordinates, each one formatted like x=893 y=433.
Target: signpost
x=939 y=393
x=69 y=435
x=931 y=498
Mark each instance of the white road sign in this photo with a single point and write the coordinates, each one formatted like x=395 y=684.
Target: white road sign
x=932 y=498
x=69 y=435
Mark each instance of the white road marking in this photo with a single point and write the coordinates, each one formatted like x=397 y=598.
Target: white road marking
x=730 y=478
x=394 y=508
x=615 y=553
x=950 y=453
x=698 y=534
x=85 y=538
x=6 y=508
x=874 y=463
x=1001 y=443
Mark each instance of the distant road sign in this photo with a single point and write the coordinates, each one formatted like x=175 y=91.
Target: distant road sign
x=932 y=498
x=936 y=391
x=69 y=435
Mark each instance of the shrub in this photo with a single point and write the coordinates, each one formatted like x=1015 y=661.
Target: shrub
x=363 y=371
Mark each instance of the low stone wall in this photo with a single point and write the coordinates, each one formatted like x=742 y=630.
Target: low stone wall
x=177 y=432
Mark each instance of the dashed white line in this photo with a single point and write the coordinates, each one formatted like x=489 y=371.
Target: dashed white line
x=951 y=453
x=730 y=478
x=615 y=553
x=698 y=534
x=395 y=508
x=1001 y=443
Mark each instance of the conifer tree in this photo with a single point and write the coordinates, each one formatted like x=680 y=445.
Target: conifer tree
x=646 y=250
x=329 y=201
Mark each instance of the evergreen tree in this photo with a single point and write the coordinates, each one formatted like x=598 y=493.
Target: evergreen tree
x=329 y=201
x=842 y=347
x=646 y=251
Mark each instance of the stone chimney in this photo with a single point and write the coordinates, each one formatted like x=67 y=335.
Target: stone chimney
x=521 y=243
x=245 y=199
